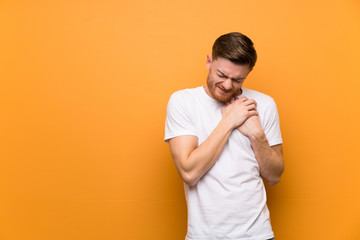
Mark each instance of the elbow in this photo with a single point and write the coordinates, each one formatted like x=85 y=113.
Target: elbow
x=191 y=184
x=189 y=179
x=274 y=181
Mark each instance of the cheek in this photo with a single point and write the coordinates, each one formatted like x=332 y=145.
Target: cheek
x=212 y=80
x=217 y=79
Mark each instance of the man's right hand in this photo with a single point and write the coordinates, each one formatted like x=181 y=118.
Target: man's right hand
x=237 y=111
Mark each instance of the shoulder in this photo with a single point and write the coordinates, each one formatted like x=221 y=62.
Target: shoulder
x=258 y=96
x=183 y=100
x=186 y=92
x=185 y=95
x=264 y=102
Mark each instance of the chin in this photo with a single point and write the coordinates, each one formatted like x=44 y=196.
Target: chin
x=223 y=99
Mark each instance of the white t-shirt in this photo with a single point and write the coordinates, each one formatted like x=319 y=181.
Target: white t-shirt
x=229 y=201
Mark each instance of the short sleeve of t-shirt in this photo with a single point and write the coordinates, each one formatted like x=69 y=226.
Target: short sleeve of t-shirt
x=179 y=115
x=271 y=124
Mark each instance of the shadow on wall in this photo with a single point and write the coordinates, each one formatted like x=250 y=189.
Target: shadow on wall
x=174 y=190
x=276 y=203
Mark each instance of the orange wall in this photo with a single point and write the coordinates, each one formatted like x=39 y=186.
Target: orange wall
x=83 y=94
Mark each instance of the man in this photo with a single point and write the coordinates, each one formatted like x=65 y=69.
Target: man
x=223 y=139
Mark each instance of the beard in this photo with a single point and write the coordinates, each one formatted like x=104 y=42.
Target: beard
x=221 y=98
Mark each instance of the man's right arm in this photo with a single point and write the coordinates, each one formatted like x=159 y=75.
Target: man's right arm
x=193 y=161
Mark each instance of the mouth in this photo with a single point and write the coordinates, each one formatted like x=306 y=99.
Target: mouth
x=223 y=90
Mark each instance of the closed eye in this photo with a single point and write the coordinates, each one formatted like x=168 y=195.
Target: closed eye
x=238 y=80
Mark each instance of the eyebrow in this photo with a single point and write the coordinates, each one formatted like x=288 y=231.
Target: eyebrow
x=234 y=79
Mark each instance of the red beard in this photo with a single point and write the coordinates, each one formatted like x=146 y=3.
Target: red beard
x=230 y=94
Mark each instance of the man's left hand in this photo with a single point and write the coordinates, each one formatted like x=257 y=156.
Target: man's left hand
x=251 y=127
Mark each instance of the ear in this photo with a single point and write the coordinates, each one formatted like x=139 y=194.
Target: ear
x=208 y=61
x=248 y=73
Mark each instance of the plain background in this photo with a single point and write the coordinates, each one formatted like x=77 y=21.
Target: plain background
x=83 y=94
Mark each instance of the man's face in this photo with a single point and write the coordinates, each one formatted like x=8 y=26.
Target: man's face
x=225 y=78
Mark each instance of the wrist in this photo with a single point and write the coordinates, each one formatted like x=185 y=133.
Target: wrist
x=258 y=136
x=227 y=124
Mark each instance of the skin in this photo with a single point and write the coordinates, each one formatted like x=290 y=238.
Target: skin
x=224 y=83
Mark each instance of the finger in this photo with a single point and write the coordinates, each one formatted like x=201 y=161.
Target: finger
x=250 y=101
x=253 y=113
x=243 y=99
x=254 y=102
x=251 y=107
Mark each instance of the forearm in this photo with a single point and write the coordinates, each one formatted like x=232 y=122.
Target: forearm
x=271 y=162
x=202 y=158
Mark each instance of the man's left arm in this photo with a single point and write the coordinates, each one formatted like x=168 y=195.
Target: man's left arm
x=270 y=158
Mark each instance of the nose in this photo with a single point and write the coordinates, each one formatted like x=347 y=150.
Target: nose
x=227 y=84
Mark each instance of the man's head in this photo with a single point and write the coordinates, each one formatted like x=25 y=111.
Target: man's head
x=235 y=47
x=233 y=58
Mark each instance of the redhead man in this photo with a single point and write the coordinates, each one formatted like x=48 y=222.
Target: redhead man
x=225 y=139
